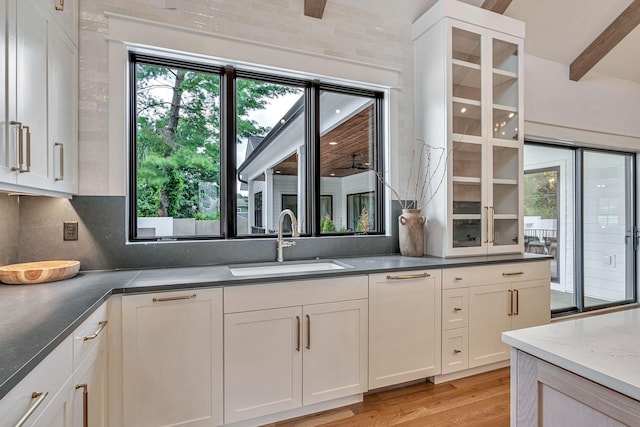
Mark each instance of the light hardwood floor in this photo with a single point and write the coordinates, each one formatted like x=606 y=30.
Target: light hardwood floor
x=480 y=400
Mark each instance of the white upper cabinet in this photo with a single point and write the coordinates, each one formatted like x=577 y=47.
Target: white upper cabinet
x=469 y=104
x=38 y=142
x=65 y=12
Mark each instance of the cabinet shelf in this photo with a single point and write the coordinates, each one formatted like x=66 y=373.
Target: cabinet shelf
x=466 y=179
x=506 y=75
x=465 y=64
x=465 y=101
x=505 y=216
x=466 y=216
x=506 y=181
x=505 y=108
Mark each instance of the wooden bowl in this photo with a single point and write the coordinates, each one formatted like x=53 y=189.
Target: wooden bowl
x=38 y=272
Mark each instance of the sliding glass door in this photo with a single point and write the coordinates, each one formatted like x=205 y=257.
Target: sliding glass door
x=579 y=209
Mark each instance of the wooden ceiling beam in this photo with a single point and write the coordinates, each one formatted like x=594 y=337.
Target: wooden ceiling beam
x=497 y=6
x=607 y=40
x=314 y=8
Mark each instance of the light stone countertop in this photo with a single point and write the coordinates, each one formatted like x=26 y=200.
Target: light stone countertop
x=602 y=348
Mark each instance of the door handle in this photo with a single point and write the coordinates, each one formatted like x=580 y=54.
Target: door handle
x=85 y=404
x=299 y=330
x=308 y=332
x=515 y=292
x=61 y=177
x=510 y=302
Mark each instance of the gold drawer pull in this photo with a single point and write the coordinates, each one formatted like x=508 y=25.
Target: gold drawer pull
x=174 y=298
x=456 y=351
x=458 y=278
x=408 y=276
x=515 y=273
x=39 y=399
x=85 y=404
x=61 y=177
x=298 y=333
x=457 y=309
x=101 y=326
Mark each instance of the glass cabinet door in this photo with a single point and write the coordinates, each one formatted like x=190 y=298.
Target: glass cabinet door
x=504 y=212
x=466 y=82
x=505 y=90
x=467 y=195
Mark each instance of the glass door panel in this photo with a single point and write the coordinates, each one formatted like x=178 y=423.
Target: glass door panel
x=466 y=82
x=467 y=160
x=608 y=228
x=505 y=90
x=466 y=46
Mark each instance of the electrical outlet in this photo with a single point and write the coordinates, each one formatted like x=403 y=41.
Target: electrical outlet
x=70 y=231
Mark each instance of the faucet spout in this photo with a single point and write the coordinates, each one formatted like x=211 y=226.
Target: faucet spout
x=281 y=243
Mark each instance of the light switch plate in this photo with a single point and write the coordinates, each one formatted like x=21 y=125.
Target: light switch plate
x=70 y=231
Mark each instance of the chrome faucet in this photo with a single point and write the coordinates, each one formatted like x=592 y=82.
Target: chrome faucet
x=294 y=228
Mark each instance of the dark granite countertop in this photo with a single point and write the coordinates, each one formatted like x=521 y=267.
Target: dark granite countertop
x=34 y=319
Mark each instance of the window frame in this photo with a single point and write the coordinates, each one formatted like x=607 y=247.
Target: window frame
x=228 y=131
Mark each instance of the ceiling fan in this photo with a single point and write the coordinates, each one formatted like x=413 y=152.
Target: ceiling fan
x=355 y=165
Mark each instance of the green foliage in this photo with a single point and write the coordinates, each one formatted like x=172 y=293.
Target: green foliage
x=199 y=216
x=363 y=221
x=178 y=134
x=327 y=225
x=541 y=194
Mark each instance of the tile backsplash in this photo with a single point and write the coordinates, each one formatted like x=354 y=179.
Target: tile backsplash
x=9 y=220
x=37 y=223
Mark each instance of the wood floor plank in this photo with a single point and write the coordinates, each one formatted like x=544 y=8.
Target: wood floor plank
x=480 y=401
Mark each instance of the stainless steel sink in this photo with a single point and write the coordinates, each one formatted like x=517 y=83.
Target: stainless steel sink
x=286 y=267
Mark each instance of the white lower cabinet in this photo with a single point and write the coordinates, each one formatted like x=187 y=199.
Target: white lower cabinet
x=172 y=358
x=49 y=397
x=312 y=349
x=90 y=389
x=404 y=326
x=263 y=362
x=479 y=303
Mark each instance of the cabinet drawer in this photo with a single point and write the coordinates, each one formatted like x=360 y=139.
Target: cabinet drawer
x=493 y=274
x=47 y=378
x=455 y=309
x=298 y=292
x=86 y=336
x=455 y=350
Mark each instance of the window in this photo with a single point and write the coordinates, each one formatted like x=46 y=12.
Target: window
x=257 y=210
x=218 y=152
x=361 y=212
x=579 y=208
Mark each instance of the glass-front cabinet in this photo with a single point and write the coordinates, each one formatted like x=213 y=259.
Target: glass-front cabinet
x=479 y=209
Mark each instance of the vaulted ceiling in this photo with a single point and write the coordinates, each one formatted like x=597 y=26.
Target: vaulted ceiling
x=558 y=30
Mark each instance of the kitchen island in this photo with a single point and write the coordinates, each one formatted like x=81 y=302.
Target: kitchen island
x=581 y=372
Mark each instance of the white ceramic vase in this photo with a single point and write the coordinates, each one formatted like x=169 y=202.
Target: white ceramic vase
x=411 y=232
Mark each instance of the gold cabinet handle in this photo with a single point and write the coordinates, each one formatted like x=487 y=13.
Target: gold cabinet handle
x=513 y=273
x=515 y=292
x=456 y=309
x=60 y=6
x=456 y=351
x=486 y=217
x=299 y=330
x=101 y=326
x=174 y=298
x=457 y=279
x=39 y=396
x=510 y=303
x=28 y=129
x=493 y=226
x=408 y=276
x=61 y=177
x=85 y=404
x=308 y=332
x=20 y=149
